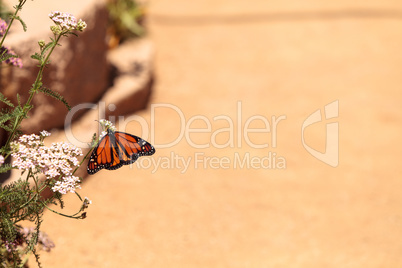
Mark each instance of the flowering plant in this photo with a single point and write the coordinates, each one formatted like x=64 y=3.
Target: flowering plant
x=42 y=167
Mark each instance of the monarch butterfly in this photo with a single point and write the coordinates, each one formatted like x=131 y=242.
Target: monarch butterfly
x=116 y=149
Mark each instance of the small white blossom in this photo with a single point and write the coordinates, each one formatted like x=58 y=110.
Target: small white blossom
x=103 y=134
x=86 y=203
x=107 y=124
x=44 y=133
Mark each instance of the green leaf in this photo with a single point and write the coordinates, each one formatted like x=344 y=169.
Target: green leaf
x=9 y=117
x=18 y=100
x=36 y=56
x=5 y=100
x=4 y=117
x=24 y=26
x=6 y=128
x=8 y=229
x=6 y=56
x=5 y=167
x=47 y=47
x=55 y=95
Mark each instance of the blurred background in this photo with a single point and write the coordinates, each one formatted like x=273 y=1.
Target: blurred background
x=218 y=68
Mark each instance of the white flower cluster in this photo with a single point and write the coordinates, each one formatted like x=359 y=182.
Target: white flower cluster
x=66 y=22
x=106 y=125
x=86 y=203
x=1 y=160
x=59 y=159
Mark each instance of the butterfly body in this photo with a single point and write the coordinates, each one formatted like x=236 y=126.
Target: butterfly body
x=116 y=149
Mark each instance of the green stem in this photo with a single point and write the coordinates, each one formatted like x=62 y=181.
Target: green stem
x=43 y=64
x=34 y=195
x=77 y=194
x=85 y=157
x=17 y=8
x=33 y=91
x=61 y=214
x=18 y=121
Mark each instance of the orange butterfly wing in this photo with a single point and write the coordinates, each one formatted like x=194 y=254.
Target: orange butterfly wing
x=117 y=149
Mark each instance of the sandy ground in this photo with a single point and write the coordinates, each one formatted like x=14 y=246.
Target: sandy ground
x=224 y=69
